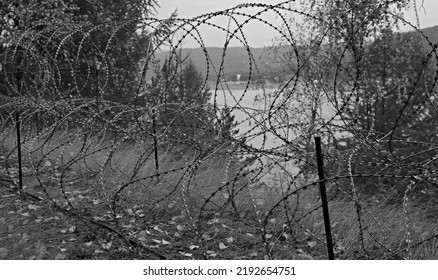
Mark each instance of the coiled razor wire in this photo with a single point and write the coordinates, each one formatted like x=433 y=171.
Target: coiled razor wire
x=113 y=162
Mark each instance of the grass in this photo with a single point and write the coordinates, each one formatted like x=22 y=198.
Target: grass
x=101 y=200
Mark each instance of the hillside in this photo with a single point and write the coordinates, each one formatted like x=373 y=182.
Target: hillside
x=431 y=33
x=236 y=60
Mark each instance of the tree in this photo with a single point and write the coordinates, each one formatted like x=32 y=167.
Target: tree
x=376 y=82
x=226 y=123
x=397 y=77
x=118 y=42
x=333 y=50
x=91 y=48
x=387 y=81
x=88 y=51
x=181 y=96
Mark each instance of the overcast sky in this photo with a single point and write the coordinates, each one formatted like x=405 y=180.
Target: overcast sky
x=258 y=34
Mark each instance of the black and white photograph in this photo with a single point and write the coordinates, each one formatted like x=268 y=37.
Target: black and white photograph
x=274 y=134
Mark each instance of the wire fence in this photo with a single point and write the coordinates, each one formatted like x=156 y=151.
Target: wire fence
x=126 y=143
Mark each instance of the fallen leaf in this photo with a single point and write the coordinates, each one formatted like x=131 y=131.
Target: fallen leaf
x=230 y=239
x=193 y=247
x=144 y=239
x=317 y=224
x=142 y=235
x=157 y=229
x=107 y=245
x=25 y=237
x=40 y=249
x=63 y=231
x=339 y=248
x=206 y=237
x=213 y=221
x=164 y=242
x=225 y=226
x=32 y=207
x=62 y=249
x=3 y=252
x=222 y=246
x=305 y=256
x=175 y=218
x=156 y=241
x=180 y=227
x=124 y=250
x=97 y=251
x=185 y=254
x=72 y=229
x=254 y=254
x=311 y=244
x=48 y=163
x=89 y=243
x=268 y=236
x=60 y=256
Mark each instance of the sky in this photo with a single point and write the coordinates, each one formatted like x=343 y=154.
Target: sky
x=256 y=33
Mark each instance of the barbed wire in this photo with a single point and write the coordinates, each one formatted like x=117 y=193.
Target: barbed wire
x=104 y=139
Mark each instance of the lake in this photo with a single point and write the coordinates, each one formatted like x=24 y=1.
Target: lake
x=251 y=110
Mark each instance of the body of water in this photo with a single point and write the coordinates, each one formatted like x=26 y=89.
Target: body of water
x=252 y=107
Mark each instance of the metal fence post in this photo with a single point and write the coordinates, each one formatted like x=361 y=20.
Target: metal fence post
x=20 y=165
x=154 y=127
x=322 y=190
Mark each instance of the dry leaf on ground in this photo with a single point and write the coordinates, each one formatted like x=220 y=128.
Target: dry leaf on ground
x=3 y=252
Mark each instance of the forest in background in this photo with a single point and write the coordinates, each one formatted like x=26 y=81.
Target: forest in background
x=108 y=151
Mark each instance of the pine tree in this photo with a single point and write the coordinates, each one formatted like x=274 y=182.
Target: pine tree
x=182 y=97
